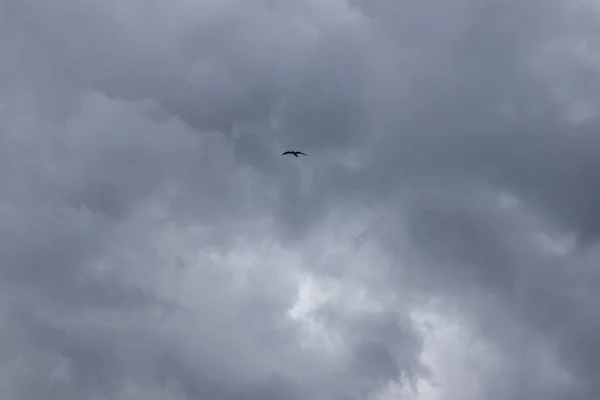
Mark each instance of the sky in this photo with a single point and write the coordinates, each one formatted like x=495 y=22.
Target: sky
x=439 y=241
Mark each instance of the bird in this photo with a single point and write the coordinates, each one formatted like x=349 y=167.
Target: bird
x=295 y=153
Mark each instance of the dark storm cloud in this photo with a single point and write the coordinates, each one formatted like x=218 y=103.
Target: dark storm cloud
x=462 y=142
x=126 y=126
x=539 y=155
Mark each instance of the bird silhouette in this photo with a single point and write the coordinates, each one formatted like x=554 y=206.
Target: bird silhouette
x=295 y=153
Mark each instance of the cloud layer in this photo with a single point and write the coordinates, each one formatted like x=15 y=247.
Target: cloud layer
x=441 y=236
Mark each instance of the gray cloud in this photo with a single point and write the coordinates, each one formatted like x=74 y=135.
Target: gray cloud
x=152 y=235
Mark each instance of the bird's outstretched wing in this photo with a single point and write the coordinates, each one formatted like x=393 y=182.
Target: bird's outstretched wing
x=299 y=152
x=287 y=152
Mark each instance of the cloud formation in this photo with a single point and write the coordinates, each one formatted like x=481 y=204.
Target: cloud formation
x=440 y=237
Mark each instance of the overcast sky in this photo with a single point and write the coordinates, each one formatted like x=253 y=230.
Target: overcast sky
x=441 y=236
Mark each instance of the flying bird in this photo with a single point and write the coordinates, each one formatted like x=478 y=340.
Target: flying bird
x=295 y=153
